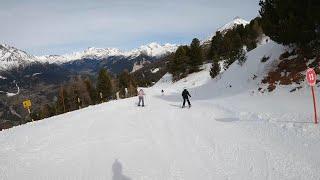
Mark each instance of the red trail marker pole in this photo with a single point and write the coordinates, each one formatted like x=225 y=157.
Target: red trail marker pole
x=312 y=78
x=314 y=106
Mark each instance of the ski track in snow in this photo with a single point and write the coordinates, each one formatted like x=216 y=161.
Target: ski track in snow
x=155 y=142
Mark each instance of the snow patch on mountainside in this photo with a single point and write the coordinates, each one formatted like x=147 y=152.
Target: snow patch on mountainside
x=155 y=70
x=10 y=94
x=1 y=77
x=138 y=65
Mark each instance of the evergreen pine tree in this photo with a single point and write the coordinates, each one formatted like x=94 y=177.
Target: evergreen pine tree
x=178 y=64
x=123 y=83
x=92 y=91
x=215 y=69
x=232 y=47
x=196 y=58
x=46 y=111
x=104 y=85
x=216 y=46
x=63 y=103
x=126 y=81
x=241 y=56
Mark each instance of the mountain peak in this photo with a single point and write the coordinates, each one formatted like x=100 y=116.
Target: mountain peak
x=230 y=25
x=237 y=17
x=7 y=47
x=236 y=21
x=13 y=57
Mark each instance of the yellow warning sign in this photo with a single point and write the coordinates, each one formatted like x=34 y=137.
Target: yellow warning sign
x=27 y=104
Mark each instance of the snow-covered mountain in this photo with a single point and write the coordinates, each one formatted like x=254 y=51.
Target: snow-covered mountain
x=232 y=24
x=151 y=50
x=235 y=22
x=12 y=57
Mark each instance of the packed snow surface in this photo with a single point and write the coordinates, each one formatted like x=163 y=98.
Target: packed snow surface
x=228 y=133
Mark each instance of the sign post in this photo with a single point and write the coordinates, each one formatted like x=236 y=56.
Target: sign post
x=312 y=78
x=27 y=104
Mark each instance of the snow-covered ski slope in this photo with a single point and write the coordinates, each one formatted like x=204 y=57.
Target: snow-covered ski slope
x=229 y=133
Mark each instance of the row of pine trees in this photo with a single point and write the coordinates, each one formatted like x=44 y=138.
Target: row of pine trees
x=226 y=47
x=83 y=92
x=186 y=60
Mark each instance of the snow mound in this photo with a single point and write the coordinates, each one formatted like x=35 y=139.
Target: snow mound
x=191 y=81
x=155 y=70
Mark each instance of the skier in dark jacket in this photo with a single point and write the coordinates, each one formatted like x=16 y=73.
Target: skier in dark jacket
x=185 y=96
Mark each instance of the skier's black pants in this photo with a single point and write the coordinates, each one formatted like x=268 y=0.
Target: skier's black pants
x=141 y=100
x=184 y=101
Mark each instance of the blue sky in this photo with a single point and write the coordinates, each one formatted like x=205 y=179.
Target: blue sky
x=62 y=26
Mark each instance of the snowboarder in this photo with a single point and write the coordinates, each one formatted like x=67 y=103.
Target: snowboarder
x=141 y=97
x=162 y=92
x=185 y=96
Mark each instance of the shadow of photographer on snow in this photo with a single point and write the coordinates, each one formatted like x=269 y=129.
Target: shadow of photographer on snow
x=117 y=171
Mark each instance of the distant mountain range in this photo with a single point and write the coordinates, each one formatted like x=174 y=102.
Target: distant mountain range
x=11 y=57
